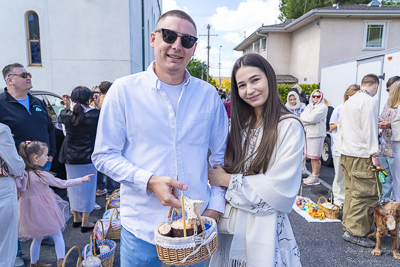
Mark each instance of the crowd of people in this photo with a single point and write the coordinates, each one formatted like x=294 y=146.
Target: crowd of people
x=141 y=132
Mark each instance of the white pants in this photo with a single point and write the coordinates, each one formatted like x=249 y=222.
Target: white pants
x=338 y=187
x=396 y=171
x=8 y=222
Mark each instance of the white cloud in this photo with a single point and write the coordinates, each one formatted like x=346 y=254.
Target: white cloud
x=172 y=5
x=168 y=5
x=248 y=16
x=233 y=37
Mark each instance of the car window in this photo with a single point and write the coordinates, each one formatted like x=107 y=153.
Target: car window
x=55 y=103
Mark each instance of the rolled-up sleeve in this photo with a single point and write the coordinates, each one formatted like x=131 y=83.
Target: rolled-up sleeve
x=218 y=139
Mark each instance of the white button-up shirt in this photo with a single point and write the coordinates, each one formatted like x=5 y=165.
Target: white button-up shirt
x=139 y=135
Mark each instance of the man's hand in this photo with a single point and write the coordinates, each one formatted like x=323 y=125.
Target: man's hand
x=212 y=214
x=384 y=125
x=50 y=159
x=165 y=189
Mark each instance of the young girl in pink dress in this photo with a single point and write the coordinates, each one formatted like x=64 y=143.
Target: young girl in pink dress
x=40 y=211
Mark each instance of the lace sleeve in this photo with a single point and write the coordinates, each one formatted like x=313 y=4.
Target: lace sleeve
x=242 y=196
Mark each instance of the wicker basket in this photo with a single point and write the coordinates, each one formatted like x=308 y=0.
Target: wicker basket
x=189 y=256
x=332 y=213
x=78 y=262
x=113 y=199
x=107 y=259
x=113 y=233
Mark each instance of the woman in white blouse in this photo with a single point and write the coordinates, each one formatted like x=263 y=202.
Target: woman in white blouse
x=262 y=172
x=394 y=102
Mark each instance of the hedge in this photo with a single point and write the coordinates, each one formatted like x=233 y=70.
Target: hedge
x=283 y=89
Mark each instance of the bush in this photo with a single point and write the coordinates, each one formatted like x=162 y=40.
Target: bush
x=283 y=89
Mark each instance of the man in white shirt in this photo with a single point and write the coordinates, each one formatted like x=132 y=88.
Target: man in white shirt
x=358 y=140
x=155 y=130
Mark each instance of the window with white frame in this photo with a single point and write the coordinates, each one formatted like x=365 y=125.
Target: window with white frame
x=375 y=35
x=264 y=43
x=33 y=39
x=256 y=46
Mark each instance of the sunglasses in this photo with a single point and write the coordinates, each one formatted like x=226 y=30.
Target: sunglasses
x=316 y=96
x=22 y=75
x=170 y=37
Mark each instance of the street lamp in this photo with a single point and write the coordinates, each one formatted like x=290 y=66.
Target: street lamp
x=220 y=66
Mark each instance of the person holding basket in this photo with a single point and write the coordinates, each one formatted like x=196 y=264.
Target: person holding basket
x=155 y=130
x=263 y=165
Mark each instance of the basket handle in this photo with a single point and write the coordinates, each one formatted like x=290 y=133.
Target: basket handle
x=326 y=201
x=102 y=232
x=197 y=214
x=112 y=213
x=78 y=262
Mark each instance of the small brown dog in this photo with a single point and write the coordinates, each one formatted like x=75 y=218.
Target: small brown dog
x=387 y=218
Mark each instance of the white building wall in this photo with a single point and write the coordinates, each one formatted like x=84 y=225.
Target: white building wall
x=305 y=51
x=82 y=42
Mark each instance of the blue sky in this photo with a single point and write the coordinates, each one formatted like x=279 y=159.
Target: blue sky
x=231 y=20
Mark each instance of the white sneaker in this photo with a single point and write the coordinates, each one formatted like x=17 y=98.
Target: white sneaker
x=19 y=262
x=97 y=206
x=312 y=181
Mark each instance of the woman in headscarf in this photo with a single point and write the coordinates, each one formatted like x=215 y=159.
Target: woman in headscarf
x=293 y=103
x=314 y=120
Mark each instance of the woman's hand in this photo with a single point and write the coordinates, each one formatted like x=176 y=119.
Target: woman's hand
x=67 y=101
x=384 y=125
x=218 y=176
x=86 y=178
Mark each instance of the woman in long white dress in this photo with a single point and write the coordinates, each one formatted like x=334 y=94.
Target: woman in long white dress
x=262 y=172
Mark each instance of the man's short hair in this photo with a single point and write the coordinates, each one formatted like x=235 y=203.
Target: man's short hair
x=179 y=14
x=8 y=69
x=370 y=79
x=104 y=86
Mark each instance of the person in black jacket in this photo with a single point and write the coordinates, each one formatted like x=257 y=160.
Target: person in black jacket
x=25 y=114
x=80 y=125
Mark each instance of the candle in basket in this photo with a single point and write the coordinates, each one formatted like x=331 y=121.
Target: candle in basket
x=183 y=215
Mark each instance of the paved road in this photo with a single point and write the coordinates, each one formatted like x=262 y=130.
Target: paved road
x=320 y=244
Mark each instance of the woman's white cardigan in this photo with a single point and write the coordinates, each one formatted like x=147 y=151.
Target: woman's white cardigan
x=263 y=234
x=314 y=120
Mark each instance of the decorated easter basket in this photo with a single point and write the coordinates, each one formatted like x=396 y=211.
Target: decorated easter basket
x=184 y=251
x=107 y=259
x=113 y=233
x=114 y=200
x=78 y=262
x=330 y=213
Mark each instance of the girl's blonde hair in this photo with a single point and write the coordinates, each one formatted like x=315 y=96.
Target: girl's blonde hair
x=27 y=150
x=354 y=88
x=394 y=95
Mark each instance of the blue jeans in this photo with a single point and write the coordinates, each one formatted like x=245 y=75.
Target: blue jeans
x=387 y=163
x=136 y=252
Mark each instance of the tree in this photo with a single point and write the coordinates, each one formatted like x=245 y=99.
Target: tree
x=226 y=84
x=195 y=67
x=293 y=9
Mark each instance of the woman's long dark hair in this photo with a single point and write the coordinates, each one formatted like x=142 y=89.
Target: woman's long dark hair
x=80 y=95
x=243 y=118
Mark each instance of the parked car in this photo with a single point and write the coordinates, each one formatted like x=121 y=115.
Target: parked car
x=53 y=103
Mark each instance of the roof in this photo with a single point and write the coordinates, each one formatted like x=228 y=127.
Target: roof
x=286 y=79
x=346 y=11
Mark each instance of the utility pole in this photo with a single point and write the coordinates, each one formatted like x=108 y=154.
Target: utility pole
x=208 y=50
x=219 y=66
